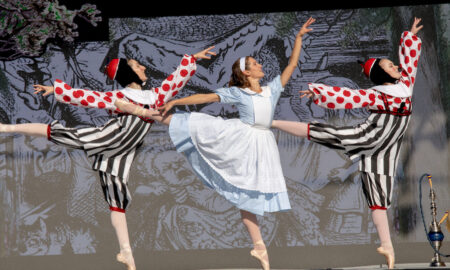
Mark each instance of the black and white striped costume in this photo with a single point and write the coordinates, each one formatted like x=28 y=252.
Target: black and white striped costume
x=113 y=145
x=377 y=141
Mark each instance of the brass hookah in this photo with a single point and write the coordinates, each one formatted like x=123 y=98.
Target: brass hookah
x=434 y=233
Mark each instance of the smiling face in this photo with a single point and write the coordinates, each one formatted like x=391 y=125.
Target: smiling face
x=390 y=68
x=253 y=69
x=138 y=69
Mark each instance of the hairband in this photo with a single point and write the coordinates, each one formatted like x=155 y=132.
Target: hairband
x=242 y=63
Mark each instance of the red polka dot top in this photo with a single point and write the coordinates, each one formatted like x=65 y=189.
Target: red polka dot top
x=105 y=100
x=397 y=97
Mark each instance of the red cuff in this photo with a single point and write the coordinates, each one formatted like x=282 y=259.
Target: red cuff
x=376 y=207
x=117 y=209
x=193 y=57
x=49 y=132
x=309 y=138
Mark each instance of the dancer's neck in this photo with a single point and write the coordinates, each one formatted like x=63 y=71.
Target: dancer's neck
x=135 y=86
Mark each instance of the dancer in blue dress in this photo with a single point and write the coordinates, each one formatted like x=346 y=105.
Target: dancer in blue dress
x=238 y=158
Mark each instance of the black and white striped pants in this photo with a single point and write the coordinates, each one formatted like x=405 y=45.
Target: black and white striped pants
x=113 y=146
x=377 y=189
x=376 y=142
x=116 y=191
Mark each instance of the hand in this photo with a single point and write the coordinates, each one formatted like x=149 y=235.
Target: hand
x=203 y=54
x=47 y=89
x=415 y=28
x=306 y=93
x=305 y=28
x=166 y=107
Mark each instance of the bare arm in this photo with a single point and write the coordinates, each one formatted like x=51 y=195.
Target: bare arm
x=293 y=60
x=194 y=99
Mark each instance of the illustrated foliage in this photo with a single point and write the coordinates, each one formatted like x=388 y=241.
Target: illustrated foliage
x=27 y=26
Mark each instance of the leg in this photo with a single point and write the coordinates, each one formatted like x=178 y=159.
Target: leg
x=377 y=190
x=379 y=217
x=31 y=129
x=259 y=248
x=298 y=129
x=119 y=222
x=118 y=202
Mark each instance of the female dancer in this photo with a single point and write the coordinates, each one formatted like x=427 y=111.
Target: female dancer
x=377 y=141
x=236 y=157
x=114 y=144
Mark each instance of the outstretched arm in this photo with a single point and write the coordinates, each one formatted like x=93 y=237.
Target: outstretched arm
x=334 y=97
x=293 y=60
x=128 y=107
x=194 y=99
x=64 y=93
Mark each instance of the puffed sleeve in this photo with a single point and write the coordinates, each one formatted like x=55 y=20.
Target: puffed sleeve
x=275 y=85
x=229 y=95
x=64 y=93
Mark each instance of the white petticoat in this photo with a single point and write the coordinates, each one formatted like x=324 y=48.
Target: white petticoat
x=239 y=161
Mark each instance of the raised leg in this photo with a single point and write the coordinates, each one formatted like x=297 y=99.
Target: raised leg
x=298 y=129
x=31 y=129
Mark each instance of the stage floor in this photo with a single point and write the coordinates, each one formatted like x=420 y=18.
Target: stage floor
x=368 y=267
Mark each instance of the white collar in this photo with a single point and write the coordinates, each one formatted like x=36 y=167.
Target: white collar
x=265 y=91
x=140 y=96
x=396 y=90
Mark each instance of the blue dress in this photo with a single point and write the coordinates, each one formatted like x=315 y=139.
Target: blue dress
x=238 y=158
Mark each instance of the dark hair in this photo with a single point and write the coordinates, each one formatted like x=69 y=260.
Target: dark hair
x=378 y=76
x=237 y=77
x=125 y=74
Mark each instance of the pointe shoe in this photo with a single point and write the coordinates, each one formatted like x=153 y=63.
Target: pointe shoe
x=260 y=254
x=125 y=256
x=389 y=254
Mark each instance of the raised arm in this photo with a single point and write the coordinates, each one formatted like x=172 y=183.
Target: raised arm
x=178 y=79
x=409 y=53
x=293 y=60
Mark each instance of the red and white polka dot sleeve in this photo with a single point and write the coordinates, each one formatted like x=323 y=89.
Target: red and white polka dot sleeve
x=176 y=81
x=85 y=98
x=334 y=97
x=409 y=54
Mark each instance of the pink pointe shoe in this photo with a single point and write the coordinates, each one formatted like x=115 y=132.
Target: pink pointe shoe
x=389 y=254
x=261 y=255
x=126 y=257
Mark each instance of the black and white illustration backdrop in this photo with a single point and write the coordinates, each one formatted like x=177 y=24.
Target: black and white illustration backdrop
x=51 y=200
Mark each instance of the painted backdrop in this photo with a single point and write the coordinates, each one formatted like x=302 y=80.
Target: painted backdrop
x=52 y=202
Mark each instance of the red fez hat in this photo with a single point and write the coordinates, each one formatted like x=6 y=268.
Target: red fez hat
x=367 y=66
x=111 y=68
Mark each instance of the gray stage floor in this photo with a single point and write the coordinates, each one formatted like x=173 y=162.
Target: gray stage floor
x=368 y=267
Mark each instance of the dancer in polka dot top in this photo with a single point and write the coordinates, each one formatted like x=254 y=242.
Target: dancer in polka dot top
x=152 y=98
x=377 y=141
x=113 y=145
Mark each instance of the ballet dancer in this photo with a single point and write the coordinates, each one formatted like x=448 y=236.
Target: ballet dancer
x=377 y=141
x=238 y=158
x=113 y=145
